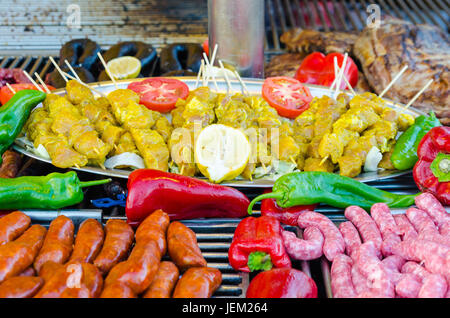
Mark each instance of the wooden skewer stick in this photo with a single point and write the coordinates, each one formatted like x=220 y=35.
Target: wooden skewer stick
x=396 y=77
x=10 y=88
x=84 y=84
x=211 y=70
x=418 y=94
x=202 y=66
x=226 y=77
x=213 y=57
x=264 y=167
x=336 y=70
x=244 y=87
x=32 y=81
x=72 y=70
x=182 y=168
x=107 y=70
x=76 y=166
x=42 y=83
x=200 y=71
x=293 y=160
x=323 y=160
x=58 y=68
x=341 y=73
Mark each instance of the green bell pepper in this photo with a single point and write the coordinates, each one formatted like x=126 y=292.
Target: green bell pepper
x=305 y=188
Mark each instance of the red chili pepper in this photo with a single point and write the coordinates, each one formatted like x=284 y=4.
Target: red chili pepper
x=318 y=69
x=287 y=216
x=181 y=197
x=432 y=170
x=257 y=245
x=282 y=283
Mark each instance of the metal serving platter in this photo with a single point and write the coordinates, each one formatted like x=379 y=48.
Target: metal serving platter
x=253 y=86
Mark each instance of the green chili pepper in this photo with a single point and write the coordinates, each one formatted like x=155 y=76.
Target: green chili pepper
x=15 y=113
x=54 y=191
x=312 y=187
x=404 y=156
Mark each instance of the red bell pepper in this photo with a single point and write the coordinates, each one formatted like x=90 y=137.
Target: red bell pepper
x=318 y=69
x=282 y=283
x=287 y=216
x=258 y=245
x=432 y=171
x=181 y=197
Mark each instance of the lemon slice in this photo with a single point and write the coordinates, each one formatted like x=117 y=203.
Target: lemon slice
x=221 y=152
x=124 y=67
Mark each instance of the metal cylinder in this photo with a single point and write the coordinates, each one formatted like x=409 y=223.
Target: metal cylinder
x=237 y=27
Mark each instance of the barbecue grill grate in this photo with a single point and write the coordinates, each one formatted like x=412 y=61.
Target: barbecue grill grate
x=345 y=15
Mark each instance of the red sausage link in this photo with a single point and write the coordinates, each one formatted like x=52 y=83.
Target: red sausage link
x=117 y=290
x=198 y=282
x=12 y=225
x=164 y=282
x=73 y=280
x=58 y=243
x=154 y=227
x=366 y=226
x=341 y=277
x=18 y=255
x=308 y=248
x=333 y=241
x=88 y=242
x=351 y=237
x=20 y=287
x=49 y=269
x=138 y=271
x=118 y=240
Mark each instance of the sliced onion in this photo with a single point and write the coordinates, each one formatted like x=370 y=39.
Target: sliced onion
x=373 y=158
x=42 y=152
x=126 y=159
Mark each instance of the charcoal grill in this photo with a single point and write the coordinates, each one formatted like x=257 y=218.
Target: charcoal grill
x=19 y=49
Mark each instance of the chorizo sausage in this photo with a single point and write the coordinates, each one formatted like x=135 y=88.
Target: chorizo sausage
x=20 y=287
x=164 y=282
x=138 y=271
x=18 y=255
x=73 y=280
x=183 y=248
x=88 y=241
x=58 y=242
x=118 y=240
x=48 y=269
x=12 y=225
x=333 y=241
x=154 y=227
x=198 y=282
x=10 y=165
x=341 y=277
x=351 y=237
x=366 y=226
x=28 y=272
x=308 y=248
x=117 y=290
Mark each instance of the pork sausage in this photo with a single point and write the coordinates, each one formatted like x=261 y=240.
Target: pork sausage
x=341 y=277
x=390 y=233
x=333 y=244
x=308 y=248
x=434 y=286
x=351 y=237
x=407 y=230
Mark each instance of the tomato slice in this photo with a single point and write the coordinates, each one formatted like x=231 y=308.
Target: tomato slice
x=287 y=95
x=159 y=93
x=6 y=93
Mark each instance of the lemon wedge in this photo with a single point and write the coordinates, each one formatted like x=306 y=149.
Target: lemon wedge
x=124 y=67
x=221 y=152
